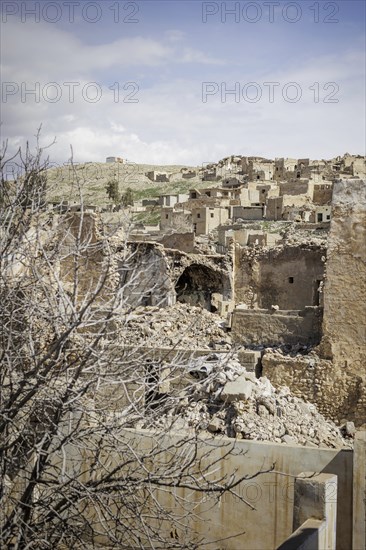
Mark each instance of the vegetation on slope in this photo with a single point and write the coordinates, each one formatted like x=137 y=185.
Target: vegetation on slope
x=65 y=182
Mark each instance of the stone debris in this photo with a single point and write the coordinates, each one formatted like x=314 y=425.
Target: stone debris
x=179 y=325
x=230 y=401
x=295 y=235
x=292 y=235
x=237 y=390
x=284 y=350
x=348 y=429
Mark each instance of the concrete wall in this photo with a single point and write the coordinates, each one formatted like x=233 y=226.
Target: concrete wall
x=315 y=513
x=359 y=491
x=271 y=494
x=263 y=522
x=253 y=326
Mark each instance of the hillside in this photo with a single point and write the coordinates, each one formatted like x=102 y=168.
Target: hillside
x=65 y=182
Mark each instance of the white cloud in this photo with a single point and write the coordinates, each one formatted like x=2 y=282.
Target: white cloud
x=170 y=123
x=174 y=35
x=190 y=55
x=35 y=51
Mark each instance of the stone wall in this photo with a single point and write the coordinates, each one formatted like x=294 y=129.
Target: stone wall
x=268 y=327
x=322 y=194
x=296 y=188
x=179 y=241
x=198 y=285
x=82 y=260
x=285 y=276
x=344 y=325
x=337 y=394
x=197 y=277
x=144 y=276
x=247 y=212
x=334 y=377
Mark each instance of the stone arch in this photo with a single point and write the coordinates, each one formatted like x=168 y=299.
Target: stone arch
x=198 y=283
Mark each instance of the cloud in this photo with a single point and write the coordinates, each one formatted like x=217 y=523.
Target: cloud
x=170 y=123
x=174 y=35
x=35 y=51
x=190 y=55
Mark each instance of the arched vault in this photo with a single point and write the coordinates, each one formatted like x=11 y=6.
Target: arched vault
x=197 y=284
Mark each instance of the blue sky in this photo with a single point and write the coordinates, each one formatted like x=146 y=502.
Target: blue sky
x=165 y=61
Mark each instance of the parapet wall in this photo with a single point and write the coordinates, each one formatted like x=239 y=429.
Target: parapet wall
x=267 y=520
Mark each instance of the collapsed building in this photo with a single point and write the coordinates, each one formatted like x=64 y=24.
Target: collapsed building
x=294 y=311
x=293 y=291
x=333 y=376
x=278 y=294
x=154 y=275
x=306 y=292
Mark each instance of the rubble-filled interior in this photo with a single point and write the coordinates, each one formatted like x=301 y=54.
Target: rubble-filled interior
x=250 y=258
x=228 y=338
x=231 y=401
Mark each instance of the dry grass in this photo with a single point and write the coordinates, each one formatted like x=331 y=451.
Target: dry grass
x=92 y=178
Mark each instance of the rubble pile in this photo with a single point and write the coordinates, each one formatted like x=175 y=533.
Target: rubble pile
x=205 y=244
x=180 y=325
x=233 y=402
x=294 y=235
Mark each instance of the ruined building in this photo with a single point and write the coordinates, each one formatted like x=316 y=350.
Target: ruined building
x=333 y=375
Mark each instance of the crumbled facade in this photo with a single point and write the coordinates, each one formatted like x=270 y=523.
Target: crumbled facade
x=252 y=247
x=245 y=310
x=334 y=377
x=287 y=276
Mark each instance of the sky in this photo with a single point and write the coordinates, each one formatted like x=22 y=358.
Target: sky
x=184 y=82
